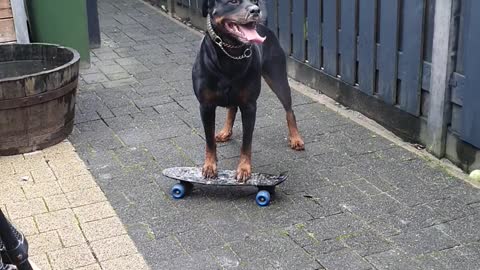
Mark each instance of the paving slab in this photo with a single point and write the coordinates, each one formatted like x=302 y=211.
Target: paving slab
x=60 y=209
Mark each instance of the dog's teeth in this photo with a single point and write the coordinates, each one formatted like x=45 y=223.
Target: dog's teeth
x=237 y=30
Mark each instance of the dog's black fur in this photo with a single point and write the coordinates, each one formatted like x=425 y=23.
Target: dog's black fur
x=219 y=80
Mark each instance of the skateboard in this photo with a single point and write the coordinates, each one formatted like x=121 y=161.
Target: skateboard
x=188 y=176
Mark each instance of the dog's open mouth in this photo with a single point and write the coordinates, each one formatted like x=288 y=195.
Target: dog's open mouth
x=246 y=32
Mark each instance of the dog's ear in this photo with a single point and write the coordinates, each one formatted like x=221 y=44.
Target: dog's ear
x=205 y=7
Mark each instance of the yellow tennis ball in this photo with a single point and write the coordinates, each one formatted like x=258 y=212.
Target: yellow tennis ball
x=475 y=175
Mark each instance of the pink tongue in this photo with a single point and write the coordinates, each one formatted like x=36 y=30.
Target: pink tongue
x=251 y=34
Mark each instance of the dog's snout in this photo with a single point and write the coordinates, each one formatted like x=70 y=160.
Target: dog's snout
x=254 y=10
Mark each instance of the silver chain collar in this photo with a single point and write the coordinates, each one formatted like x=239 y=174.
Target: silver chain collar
x=218 y=40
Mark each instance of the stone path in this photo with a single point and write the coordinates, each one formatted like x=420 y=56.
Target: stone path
x=354 y=200
x=53 y=199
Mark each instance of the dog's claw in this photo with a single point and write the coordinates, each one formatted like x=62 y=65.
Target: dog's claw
x=296 y=144
x=244 y=172
x=223 y=136
x=243 y=176
x=209 y=170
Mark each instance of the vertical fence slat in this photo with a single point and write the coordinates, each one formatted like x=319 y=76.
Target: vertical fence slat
x=330 y=34
x=272 y=19
x=348 y=41
x=314 y=32
x=298 y=30
x=412 y=33
x=442 y=69
x=388 y=51
x=284 y=25
x=367 y=45
x=471 y=95
x=464 y=4
x=429 y=28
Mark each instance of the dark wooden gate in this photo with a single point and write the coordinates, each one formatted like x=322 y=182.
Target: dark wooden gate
x=376 y=46
x=470 y=130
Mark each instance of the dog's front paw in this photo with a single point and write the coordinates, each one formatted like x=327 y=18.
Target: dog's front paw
x=209 y=170
x=224 y=136
x=244 y=171
x=296 y=143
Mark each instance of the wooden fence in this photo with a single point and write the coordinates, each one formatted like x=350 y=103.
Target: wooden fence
x=7 y=28
x=375 y=46
x=409 y=64
x=13 y=22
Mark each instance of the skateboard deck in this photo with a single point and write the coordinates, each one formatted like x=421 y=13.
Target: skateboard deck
x=188 y=176
x=224 y=178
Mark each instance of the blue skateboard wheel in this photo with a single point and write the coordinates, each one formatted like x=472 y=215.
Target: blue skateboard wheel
x=263 y=198
x=178 y=191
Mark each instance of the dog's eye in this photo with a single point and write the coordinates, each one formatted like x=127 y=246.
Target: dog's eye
x=255 y=2
x=235 y=2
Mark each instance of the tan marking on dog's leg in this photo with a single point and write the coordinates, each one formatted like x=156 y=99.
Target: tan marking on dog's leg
x=226 y=133
x=210 y=166
x=244 y=169
x=294 y=139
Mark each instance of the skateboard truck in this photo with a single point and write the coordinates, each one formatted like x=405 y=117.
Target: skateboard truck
x=13 y=247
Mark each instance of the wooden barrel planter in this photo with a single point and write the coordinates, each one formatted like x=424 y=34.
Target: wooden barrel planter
x=38 y=83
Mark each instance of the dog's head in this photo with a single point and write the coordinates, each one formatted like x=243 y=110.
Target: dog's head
x=236 y=18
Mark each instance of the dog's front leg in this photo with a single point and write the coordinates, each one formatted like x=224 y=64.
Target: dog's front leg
x=244 y=169
x=208 y=119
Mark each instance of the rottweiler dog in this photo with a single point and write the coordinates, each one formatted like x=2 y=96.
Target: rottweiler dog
x=237 y=50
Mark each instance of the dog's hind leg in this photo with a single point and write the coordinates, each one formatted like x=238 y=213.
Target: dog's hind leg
x=275 y=74
x=226 y=133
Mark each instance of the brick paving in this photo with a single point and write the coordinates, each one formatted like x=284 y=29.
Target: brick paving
x=354 y=200
x=53 y=199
